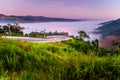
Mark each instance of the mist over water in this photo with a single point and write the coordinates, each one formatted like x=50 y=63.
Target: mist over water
x=71 y=27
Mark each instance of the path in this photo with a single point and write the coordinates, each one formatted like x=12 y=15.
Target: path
x=39 y=40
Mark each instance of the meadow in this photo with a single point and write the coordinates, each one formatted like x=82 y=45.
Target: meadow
x=67 y=60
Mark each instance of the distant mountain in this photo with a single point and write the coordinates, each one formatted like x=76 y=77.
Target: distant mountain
x=110 y=28
x=30 y=19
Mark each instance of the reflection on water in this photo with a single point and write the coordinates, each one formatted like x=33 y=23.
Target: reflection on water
x=71 y=27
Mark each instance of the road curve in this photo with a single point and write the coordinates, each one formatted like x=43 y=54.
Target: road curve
x=39 y=40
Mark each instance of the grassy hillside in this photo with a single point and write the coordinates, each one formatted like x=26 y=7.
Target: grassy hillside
x=69 y=60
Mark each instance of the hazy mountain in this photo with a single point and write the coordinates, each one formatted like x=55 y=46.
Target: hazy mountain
x=110 y=28
x=25 y=19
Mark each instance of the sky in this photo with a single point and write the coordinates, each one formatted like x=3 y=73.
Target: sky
x=95 y=9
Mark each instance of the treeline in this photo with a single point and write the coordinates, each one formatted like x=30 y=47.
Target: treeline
x=9 y=30
x=16 y=30
x=44 y=34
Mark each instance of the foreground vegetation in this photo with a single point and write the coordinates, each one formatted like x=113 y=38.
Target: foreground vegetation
x=67 y=60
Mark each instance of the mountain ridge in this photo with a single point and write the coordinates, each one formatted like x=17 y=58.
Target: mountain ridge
x=30 y=19
x=110 y=28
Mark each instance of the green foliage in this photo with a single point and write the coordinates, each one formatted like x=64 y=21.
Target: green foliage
x=14 y=30
x=43 y=34
x=67 y=60
x=83 y=35
x=95 y=43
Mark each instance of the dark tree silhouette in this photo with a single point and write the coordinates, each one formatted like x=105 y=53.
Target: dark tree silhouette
x=15 y=29
x=95 y=43
x=82 y=35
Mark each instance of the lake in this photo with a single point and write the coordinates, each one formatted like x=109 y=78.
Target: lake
x=71 y=27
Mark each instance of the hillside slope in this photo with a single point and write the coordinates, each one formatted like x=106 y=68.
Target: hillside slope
x=110 y=28
x=69 y=60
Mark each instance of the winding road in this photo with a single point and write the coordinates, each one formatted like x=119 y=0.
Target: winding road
x=39 y=40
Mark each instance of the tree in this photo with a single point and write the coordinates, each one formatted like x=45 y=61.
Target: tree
x=1 y=29
x=95 y=43
x=5 y=29
x=83 y=35
x=14 y=29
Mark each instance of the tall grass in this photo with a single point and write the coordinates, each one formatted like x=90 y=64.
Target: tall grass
x=21 y=60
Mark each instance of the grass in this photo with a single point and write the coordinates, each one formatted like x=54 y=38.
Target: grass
x=69 y=60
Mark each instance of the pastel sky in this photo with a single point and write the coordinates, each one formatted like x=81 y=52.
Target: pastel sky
x=109 y=9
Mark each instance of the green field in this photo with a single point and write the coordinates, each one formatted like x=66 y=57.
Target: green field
x=68 y=60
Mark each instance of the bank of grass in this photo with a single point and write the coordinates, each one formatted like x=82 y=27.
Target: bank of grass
x=69 y=60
